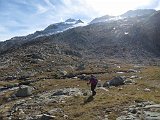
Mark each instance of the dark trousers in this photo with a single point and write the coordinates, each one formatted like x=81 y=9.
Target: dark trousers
x=93 y=89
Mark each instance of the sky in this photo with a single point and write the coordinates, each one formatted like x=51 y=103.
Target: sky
x=23 y=17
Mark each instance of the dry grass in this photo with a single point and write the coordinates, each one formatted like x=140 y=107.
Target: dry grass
x=110 y=102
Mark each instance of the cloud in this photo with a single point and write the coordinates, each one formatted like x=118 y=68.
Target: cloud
x=21 y=17
x=150 y=4
x=49 y=3
x=157 y=4
x=41 y=9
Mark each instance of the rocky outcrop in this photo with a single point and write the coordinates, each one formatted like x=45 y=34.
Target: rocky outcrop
x=142 y=111
x=47 y=117
x=114 y=82
x=36 y=102
x=24 y=91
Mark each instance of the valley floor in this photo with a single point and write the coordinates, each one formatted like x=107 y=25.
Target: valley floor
x=67 y=98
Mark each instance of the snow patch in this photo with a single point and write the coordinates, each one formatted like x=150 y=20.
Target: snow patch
x=126 y=33
x=74 y=25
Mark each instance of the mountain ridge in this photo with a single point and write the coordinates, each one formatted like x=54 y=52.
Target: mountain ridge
x=51 y=29
x=128 y=38
x=45 y=77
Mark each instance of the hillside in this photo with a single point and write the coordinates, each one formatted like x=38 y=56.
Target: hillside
x=134 y=39
x=53 y=66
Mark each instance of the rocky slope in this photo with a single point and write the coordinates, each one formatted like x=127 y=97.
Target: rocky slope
x=134 y=35
x=128 y=39
x=50 y=98
x=45 y=77
x=50 y=30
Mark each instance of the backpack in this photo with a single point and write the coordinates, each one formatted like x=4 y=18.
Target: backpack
x=94 y=81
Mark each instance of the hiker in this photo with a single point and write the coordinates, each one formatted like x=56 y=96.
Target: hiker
x=93 y=81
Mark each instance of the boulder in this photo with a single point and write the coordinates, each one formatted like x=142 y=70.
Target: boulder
x=83 y=77
x=10 y=78
x=26 y=82
x=132 y=110
x=116 y=81
x=74 y=91
x=129 y=81
x=132 y=70
x=133 y=77
x=24 y=91
x=47 y=117
x=55 y=110
x=106 y=84
x=99 y=84
x=147 y=90
x=70 y=75
x=23 y=78
x=59 y=92
x=63 y=72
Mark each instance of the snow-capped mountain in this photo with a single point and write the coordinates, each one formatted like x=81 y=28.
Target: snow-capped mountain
x=60 y=27
x=102 y=19
x=120 y=37
x=50 y=30
x=139 y=12
x=129 y=14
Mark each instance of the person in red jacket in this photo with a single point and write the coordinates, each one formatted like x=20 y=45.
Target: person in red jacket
x=93 y=81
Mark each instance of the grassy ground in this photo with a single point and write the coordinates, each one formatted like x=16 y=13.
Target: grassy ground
x=110 y=102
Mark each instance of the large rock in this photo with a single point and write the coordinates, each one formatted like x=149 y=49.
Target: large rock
x=106 y=84
x=63 y=72
x=99 y=84
x=60 y=92
x=114 y=82
x=47 y=117
x=129 y=81
x=83 y=77
x=24 y=77
x=24 y=91
x=10 y=78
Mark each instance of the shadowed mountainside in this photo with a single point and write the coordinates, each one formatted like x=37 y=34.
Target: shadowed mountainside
x=45 y=77
x=133 y=38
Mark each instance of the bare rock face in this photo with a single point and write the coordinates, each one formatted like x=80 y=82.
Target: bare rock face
x=24 y=91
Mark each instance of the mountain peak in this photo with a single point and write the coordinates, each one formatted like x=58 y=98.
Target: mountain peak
x=73 y=21
x=101 y=19
x=138 y=12
x=79 y=21
x=70 y=20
